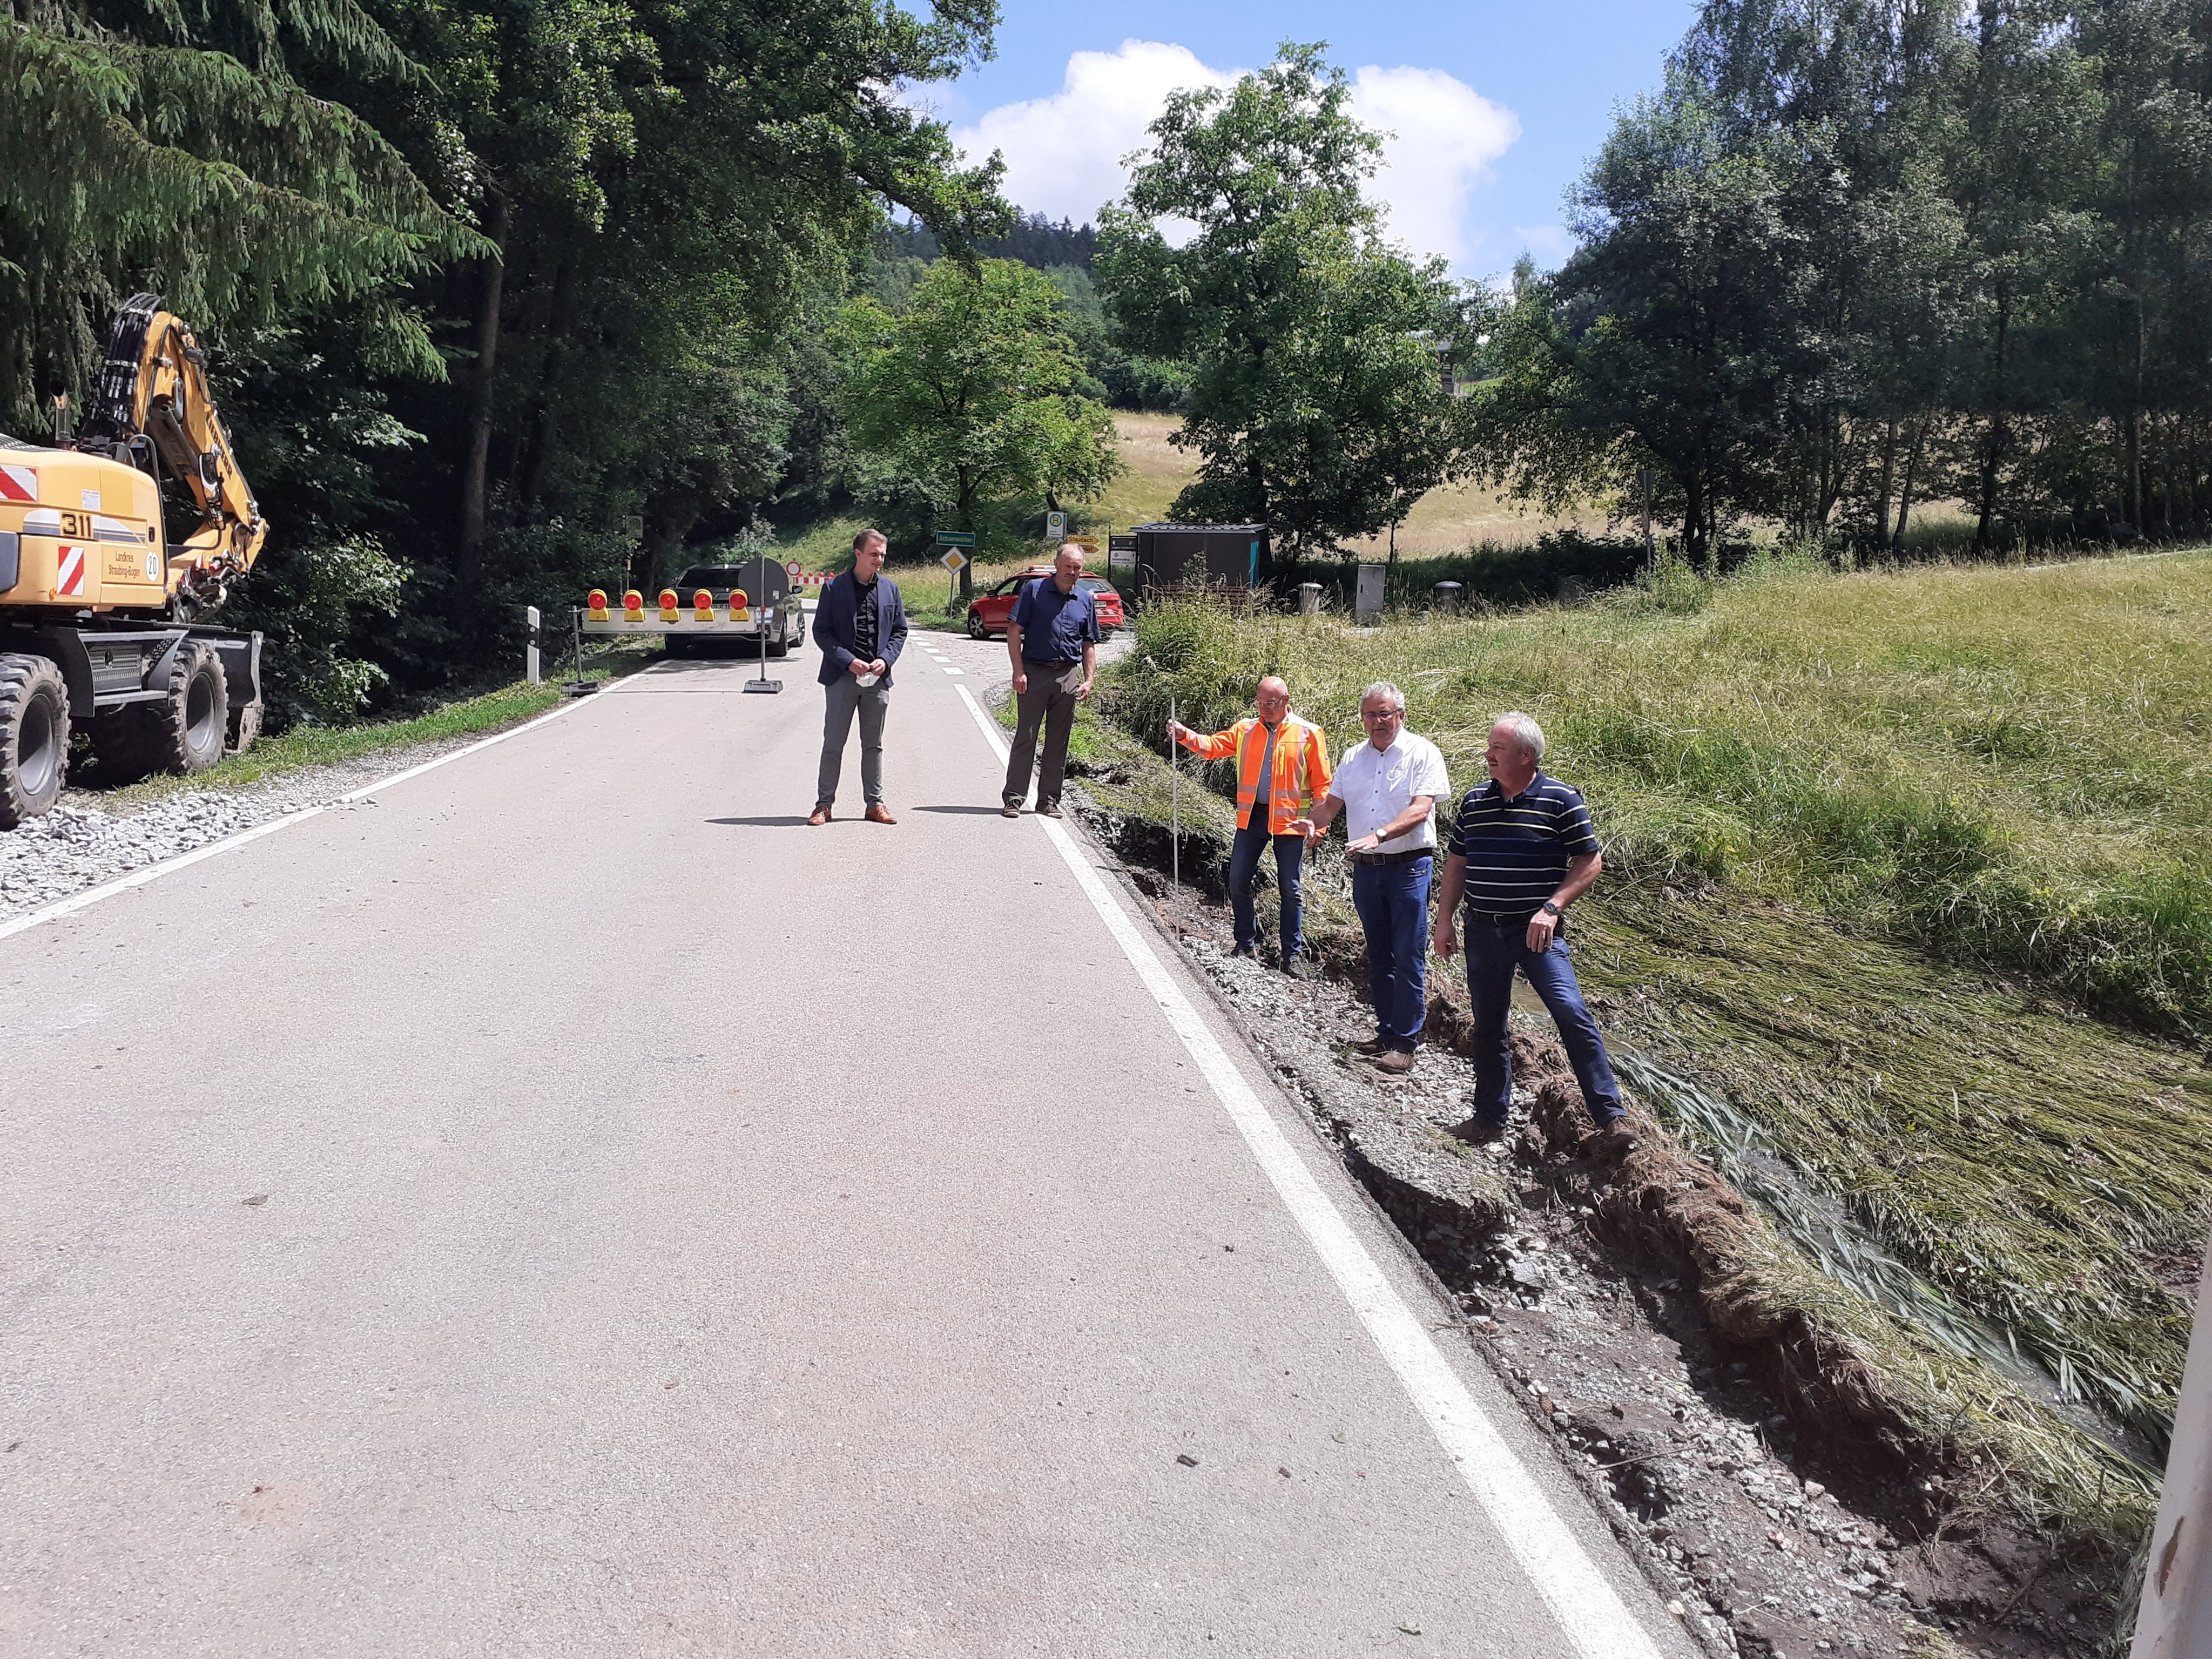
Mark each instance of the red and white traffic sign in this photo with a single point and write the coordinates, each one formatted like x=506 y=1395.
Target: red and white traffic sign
x=69 y=574
x=794 y=570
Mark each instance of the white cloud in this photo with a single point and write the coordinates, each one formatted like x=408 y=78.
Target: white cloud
x=1443 y=136
x=1064 y=153
x=1550 y=244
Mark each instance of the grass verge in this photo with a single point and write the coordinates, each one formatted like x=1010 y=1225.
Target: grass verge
x=326 y=745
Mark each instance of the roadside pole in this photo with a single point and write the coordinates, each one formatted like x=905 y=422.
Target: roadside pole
x=530 y=652
x=2174 y=1620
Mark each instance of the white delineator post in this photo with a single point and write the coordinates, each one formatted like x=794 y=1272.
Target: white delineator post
x=2175 y=1619
x=530 y=651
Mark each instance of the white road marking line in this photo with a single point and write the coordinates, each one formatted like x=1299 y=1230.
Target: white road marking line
x=956 y=670
x=92 y=895
x=1589 y=1611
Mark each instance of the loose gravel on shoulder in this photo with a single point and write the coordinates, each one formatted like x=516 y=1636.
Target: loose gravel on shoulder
x=84 y=842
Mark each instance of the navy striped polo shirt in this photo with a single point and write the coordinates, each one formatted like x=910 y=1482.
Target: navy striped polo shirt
x=1517 y=851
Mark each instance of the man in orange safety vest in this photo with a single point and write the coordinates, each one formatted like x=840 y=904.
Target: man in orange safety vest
x=1282 y=766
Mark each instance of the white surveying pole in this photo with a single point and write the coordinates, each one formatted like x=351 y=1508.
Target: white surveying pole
x=2175 y=1619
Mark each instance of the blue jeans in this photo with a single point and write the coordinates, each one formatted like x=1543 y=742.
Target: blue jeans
x=1244 y=871
x=1493 y=954
x=1393 y=902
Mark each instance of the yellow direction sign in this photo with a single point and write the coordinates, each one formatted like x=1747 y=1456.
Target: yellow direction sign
x=1088 y=543
x=953 y=559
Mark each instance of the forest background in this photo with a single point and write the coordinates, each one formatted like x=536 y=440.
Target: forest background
x=485 y=283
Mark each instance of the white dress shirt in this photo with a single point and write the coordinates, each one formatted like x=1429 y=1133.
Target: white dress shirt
x=1376 y=785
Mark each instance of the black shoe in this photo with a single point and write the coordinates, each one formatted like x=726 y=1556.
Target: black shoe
x=1615 y=1137
x=1479 y=1132
x=1295 y=969
x=1247 y=952
x=1374 y=1045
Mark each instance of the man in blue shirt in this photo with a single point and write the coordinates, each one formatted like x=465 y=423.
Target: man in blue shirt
x=1522 y=851
x=1053 y=641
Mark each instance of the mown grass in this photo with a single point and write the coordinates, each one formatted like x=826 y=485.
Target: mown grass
x=1910 y=865
x=326 y=745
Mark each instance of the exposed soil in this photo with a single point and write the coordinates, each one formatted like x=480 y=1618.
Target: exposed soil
x=1759 y=1480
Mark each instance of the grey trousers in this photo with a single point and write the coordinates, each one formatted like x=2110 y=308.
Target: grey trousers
x=1049 y=703
x=842 y=695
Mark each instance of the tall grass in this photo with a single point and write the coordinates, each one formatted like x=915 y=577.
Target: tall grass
x=1881 y=848
x=2013 y=768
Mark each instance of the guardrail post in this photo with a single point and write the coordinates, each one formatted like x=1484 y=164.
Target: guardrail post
x=530 y=651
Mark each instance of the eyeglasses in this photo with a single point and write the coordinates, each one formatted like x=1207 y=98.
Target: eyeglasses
x=1382 y=714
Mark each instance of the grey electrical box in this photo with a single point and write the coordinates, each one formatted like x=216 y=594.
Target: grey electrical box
x=1367 y=594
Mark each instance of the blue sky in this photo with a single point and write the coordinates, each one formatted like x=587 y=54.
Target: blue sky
x=1497 y=107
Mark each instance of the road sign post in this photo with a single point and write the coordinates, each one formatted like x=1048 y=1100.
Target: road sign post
x=954 y=561
x=953 y=541
x=1056 y=527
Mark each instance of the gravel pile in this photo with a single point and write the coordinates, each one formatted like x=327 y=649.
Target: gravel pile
x=82 y=843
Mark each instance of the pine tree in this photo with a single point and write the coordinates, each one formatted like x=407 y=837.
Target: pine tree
x=179 y=148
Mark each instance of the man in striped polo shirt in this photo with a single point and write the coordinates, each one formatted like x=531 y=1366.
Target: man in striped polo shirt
x=1522 y=851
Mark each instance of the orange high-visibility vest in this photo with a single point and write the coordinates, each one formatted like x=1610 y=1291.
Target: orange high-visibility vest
x=1302 y=770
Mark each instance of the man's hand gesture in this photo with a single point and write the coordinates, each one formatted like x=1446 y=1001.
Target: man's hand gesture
x=1541 y=927
x=859 y=666
x=1177 y=731
x=1021 y=681
x=1305 y=827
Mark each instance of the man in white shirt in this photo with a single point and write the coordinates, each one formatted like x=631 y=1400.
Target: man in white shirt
x=1388 y=788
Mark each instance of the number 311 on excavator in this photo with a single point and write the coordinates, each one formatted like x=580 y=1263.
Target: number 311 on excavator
x=100 y=614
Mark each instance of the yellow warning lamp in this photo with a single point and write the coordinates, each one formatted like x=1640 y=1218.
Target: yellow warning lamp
x=703 y=607
x=738 y=604
x=597 y=601
x=668 y=605
x=633 y=606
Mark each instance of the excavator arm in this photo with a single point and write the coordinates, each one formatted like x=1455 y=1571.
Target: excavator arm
x=153 y=398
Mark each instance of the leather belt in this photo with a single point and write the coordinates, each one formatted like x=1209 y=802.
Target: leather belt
x=1405 y=857
x=1499 y=919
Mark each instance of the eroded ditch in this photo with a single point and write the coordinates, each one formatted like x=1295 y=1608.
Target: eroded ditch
x=1746 y=1464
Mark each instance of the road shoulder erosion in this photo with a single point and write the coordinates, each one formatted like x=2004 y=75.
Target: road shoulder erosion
x=1583 y=1601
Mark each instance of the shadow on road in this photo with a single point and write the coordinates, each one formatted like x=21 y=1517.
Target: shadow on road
x=764 y=823
x=964 y=811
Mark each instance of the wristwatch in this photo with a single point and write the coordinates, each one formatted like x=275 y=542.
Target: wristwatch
x=1551 y=907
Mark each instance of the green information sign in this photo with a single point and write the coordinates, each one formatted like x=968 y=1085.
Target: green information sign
x=956 y=539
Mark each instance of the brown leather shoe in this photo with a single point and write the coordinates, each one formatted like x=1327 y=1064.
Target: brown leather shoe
x=1368 y=1048
x=1393 y=1062
x=1049 y=810
x=880 y=815
x=820 y=816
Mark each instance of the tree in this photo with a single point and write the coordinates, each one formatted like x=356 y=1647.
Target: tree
x=971 y=395
x=1316 y=398
x=179 y=148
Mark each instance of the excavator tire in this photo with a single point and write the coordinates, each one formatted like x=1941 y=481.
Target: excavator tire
x=185 y=732
x=245 y=725
x=35 y=736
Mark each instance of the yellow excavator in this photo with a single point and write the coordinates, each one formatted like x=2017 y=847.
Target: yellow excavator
x=100 y=613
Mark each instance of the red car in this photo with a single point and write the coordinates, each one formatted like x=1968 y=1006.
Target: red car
x=989 y=612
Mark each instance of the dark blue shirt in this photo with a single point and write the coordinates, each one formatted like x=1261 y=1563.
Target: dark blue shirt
x=1056 y=626
x=1516 y=850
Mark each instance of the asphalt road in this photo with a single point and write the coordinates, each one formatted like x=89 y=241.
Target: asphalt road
x=563 y=1204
